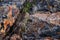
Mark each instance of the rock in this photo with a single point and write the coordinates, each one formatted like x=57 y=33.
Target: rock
x=15 y=37
x=50 y=18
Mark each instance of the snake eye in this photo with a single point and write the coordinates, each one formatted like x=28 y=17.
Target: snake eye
x=4 y=16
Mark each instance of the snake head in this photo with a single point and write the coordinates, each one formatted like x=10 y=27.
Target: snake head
x=8 y=19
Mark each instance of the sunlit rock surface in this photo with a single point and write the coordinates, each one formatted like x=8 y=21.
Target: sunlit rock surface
x=53 y=18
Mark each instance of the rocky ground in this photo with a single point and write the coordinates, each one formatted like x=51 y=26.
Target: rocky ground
x=21 y=21
x=33 y=28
